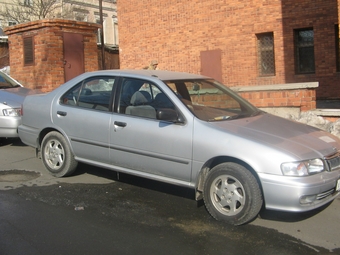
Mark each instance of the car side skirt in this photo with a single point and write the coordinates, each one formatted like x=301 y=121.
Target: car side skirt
x=138 y=173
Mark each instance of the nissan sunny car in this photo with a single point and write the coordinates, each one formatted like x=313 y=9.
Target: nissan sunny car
x=186 y=130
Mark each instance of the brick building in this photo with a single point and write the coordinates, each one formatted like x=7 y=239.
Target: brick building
x=21 y=19
x=46 y=53
x=241 y=43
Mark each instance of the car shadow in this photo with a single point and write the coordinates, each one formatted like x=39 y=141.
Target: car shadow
x=290 y=216
x=187 y=193
x=136 y=181
x=11 y=142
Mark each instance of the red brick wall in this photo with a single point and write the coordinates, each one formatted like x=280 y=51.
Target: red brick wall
x=47 y=72
x=298 y=98
x=175 y=32
x=111 y=58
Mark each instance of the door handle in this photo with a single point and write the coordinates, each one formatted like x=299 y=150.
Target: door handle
x=61 y=113
x=120 y=124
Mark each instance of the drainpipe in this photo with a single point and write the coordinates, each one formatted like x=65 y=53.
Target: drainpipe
x=102 y=33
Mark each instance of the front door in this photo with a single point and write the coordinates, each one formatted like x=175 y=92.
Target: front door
x=140 y=142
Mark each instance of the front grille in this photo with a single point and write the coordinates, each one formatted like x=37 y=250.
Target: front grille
x=324 y=194
x=333 y=161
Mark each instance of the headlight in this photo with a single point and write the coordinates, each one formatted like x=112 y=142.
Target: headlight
x=303 y=168
x=12 y=112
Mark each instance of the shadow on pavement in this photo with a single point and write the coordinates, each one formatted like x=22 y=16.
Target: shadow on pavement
x=187 y=193
x=136 y=181
x=11 y=141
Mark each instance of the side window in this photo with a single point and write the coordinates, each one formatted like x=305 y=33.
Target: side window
x=142 y=98
x=93 y=93
x=5 y=82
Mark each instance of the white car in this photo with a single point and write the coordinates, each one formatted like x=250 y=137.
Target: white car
x=187 y=130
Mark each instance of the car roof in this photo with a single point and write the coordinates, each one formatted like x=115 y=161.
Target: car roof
x=160 y=74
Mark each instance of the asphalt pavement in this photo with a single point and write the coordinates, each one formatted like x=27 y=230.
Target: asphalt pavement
x=98 y=211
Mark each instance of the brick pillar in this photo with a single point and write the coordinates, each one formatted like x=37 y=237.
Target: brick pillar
x=47 y=70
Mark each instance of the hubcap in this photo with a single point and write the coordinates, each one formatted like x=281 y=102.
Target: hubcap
x=227 y=195
x=54 y=154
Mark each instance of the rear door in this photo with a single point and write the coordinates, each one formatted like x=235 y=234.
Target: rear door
x=84 y=114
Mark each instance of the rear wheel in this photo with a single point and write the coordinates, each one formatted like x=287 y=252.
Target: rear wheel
x=232 y=194
x=57 y=156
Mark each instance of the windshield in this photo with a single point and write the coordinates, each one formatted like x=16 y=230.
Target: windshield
x=210 y=100
x=6 y=82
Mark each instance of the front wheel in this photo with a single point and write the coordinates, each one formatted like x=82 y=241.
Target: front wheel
x=232 y=194
x=57 y=156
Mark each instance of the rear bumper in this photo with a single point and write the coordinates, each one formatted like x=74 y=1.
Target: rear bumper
x=28 y=135
x=299 y=194
x=9 y=126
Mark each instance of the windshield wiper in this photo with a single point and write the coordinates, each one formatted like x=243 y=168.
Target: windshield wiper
x=10 y=87
x=255 y=113
x=219 y=118
x=237 y=116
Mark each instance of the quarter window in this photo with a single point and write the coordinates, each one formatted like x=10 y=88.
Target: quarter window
x=304 y=51
x=265 y=51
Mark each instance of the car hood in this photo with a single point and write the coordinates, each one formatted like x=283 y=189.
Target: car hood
x=14 y=97
x=301 y=140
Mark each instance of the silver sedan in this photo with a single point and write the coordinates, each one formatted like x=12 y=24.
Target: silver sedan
x=187 y=130
x=12 y=94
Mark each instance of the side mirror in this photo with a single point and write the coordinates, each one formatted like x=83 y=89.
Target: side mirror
x=168 y=114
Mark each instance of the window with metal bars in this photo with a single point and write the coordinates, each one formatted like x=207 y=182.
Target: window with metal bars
x=337 y=47
x=28 y=43
x=266 y=57
x=304 y=51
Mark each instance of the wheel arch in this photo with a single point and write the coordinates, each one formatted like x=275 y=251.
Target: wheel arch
x=43 y=133
x=210 y=164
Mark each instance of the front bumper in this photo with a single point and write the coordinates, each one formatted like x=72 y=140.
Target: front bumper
x=299 y=194
x=9 y=126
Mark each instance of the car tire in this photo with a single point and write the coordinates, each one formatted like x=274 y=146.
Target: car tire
x=57 y=156
x=232 y=194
